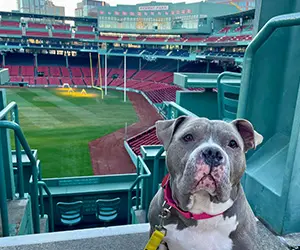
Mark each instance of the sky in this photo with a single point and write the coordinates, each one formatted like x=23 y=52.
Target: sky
x=70 y=5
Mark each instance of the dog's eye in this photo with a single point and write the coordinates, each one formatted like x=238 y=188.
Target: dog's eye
x=188 y=138
x=233 y=144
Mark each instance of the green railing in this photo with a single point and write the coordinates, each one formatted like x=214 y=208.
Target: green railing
x=43 y=186
x=262 y=36
x=172 y=110
x=143 y=175
x=20 y=140
x=156 y=170
x=220 y=77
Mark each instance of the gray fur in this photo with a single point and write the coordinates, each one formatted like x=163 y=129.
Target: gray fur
x=181 y=161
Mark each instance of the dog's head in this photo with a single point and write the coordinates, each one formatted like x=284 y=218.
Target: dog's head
x=205 y=158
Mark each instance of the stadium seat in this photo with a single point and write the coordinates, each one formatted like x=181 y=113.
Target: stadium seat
x=107 y=209
x=228 y=95
x=41 y=81
x=85 y=28
x=147 y=137
x=78 y=81
x=55 y=71
x=70 y=213
x=54 y=81
x=27 y=70
x=65 y=71
x=29 y=79
x=16 y=78
x=9 y=23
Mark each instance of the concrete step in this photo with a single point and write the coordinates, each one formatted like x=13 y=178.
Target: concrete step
x=110 y=238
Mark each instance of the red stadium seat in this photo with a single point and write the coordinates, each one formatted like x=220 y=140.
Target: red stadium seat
x=41 y=81
x=54 y=81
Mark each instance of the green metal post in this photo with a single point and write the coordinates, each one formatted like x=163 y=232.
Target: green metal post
x=232 y=74
x=34 y=191
x=19 y=158
x=3 y=200
x=138 y=185
x=44 y=186
x=155 y=170
x=6 y=152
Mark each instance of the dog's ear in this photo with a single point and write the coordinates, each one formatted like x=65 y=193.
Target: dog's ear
x=165 y=129
x=250 y=137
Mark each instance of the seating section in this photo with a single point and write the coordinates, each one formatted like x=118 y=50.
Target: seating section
x=10 y=23
x=147 y=137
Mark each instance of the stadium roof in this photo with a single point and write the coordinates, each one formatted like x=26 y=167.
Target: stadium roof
x=30 y=15
x=248 y=13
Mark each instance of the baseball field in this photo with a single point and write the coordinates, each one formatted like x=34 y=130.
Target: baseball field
x=60 y=125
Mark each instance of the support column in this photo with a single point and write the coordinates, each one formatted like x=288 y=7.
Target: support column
x=67 y=60
x=36 y=60
x=178 y=65
x=140 y=64
x=3 y=59
x=125 y=80
x=105 y=73
x=207 y=66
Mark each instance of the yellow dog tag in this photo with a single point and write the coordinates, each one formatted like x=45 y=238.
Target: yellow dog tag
x=155 y=240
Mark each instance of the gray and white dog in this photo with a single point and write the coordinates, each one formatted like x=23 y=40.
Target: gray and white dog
x=205 y=160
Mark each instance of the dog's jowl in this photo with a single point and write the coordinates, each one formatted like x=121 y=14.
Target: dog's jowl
x=202 y=192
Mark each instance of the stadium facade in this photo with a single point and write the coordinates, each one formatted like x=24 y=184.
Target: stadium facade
x=161 y=17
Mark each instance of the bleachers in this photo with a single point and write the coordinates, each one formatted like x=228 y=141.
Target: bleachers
x=65 y=71
x=36 y=25
x=27 y=71
x=78 y=81
x=76 y=71
x=61 y=35
x=9 y=23
x=163 y=92
x=61 y=26
x=37 y=33
x=41 y=80
x=16 y=32
x=55 y=71
x=85 y=28
x=16 y=78
x=29 y=79
x=85 y=36
x=145 y=138
x=43 y=69
x=54 y=81
x=143 y=74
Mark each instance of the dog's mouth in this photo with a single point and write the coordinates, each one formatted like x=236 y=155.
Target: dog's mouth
x=207 y=183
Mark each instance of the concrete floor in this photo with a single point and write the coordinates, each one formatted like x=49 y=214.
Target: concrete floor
x=132 y=237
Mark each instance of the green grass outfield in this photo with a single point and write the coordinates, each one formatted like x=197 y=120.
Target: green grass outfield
x=61 y=127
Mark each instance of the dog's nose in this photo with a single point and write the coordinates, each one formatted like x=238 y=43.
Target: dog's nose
x=212 y=156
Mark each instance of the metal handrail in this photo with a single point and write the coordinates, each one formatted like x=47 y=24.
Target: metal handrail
x=43 y=185
x=179 y=108
x=34 y=192
x=261 y=37
x=137 y=180
x=222 y=75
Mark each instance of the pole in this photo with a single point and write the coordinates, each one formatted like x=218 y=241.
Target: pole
x=125 y=78
x=105 y=74
x=91 y=67
x=100 y=73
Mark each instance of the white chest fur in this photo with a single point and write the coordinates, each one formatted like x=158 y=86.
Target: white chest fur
x=209 y=234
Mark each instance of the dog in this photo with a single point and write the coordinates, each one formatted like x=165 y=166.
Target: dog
x=207 y=206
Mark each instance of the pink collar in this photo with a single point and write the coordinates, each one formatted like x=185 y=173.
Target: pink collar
x=169 y=200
